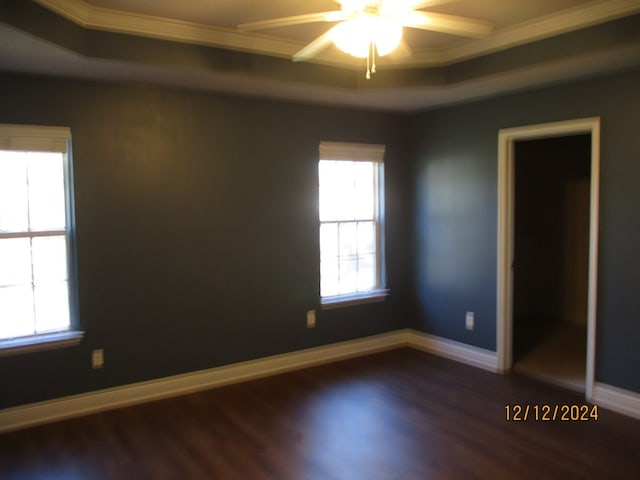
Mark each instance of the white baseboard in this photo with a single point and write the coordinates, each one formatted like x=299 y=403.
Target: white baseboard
x=617 y=399
x=73 y=406
x=461 y=352
x=606 y=396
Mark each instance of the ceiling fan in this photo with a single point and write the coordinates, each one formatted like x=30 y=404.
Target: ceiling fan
x=366 y=28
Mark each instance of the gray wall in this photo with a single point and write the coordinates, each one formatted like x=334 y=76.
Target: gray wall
x=197 y=225
x=455 y=211
x=197 y=233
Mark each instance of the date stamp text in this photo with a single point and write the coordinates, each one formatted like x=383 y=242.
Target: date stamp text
x=551 y=413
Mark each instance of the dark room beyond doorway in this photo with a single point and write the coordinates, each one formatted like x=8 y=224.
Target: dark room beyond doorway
x=551 y=252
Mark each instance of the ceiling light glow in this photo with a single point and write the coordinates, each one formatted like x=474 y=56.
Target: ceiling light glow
x=357 y=36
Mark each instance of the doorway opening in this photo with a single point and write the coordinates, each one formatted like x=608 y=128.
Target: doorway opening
x=547 y=251
x=551 y=255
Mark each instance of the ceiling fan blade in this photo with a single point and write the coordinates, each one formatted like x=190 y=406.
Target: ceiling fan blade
x=315 y=47
x=334 y=16
x=419 y=5
x=439 y=22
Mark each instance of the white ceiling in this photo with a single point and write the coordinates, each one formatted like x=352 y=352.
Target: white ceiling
x=230 y=13
x=213 y=22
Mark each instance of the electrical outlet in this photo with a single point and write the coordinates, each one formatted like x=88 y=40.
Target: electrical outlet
x=470 y=320
x=97 y=358
x=311 y=318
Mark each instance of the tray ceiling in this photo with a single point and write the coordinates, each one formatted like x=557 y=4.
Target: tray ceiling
x=535 y=42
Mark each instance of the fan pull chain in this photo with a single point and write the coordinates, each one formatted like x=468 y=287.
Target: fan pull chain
x=373 y=57
x=371 y=60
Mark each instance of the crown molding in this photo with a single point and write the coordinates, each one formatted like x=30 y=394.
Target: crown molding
x=98 y=18
x=89 y=16
x=78 y=11
x=565 y=21
x=568 y=20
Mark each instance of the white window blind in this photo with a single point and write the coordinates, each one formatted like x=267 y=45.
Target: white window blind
x=353 y=152
x=34 y=138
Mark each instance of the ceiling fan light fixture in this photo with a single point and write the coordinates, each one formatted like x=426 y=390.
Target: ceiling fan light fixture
x=388 y=36
x=356 y=36
x=370 y=28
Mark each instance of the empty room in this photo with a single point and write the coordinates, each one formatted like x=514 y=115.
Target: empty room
x=319 y=240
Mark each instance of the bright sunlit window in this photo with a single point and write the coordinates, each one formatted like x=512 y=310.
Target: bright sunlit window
x=35 y=213
x=351 y=213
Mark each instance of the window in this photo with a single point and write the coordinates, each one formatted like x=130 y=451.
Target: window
x=36 y=258
x=351 y=214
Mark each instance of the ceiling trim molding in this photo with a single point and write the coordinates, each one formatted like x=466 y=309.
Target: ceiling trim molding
x=86 y=15
x=548 y=26
x=78 y=11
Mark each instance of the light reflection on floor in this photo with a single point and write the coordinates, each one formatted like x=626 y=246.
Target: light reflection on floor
x=354 y=417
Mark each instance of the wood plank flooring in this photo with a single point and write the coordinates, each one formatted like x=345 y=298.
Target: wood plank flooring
x=400 y=414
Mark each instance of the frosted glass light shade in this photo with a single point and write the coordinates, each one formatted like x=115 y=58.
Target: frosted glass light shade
x=355 y=36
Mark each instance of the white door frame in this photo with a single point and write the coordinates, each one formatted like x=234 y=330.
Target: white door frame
x=506 y=188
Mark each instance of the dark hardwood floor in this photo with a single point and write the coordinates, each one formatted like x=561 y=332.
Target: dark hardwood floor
x=400 y=415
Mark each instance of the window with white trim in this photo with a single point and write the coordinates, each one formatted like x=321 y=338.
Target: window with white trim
x=351 y=207
x=36 y=254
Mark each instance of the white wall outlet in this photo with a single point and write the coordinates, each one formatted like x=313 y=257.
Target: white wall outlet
x=470 y=321
x=97 y=358
x=311 y=318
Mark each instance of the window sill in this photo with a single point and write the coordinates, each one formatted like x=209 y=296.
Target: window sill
x=339 y=301
x=35 y=343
